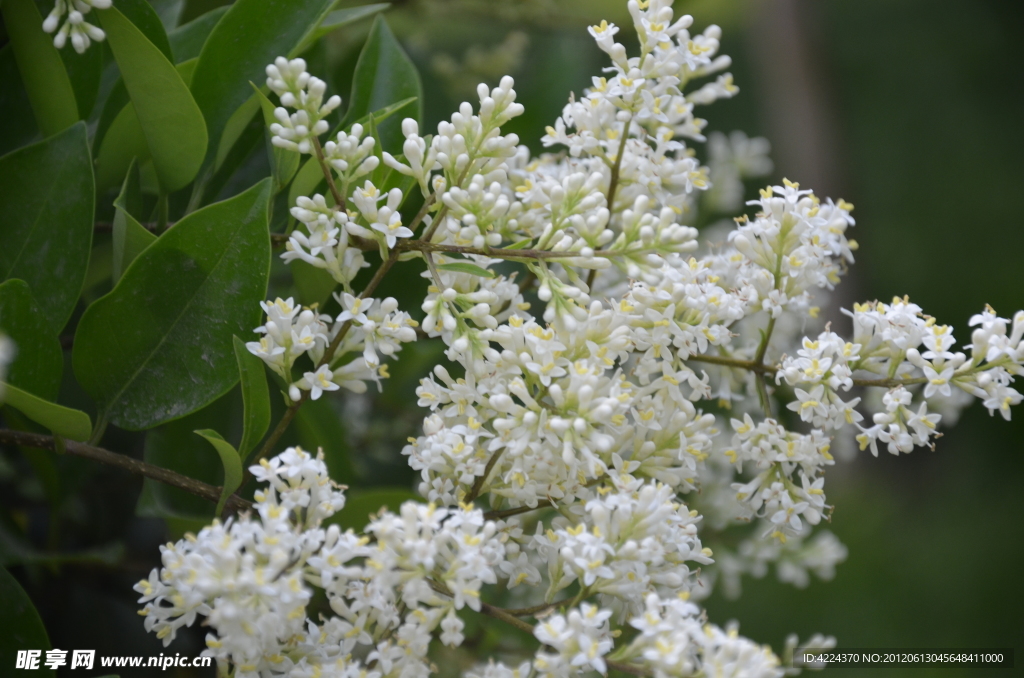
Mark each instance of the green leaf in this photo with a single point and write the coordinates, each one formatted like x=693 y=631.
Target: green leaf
x=46 y=207
x=46 y=80
x=175 y=446
x=311 y=176
x=63 y=421
x=235 y=127
x=247 y=38
x=521 y=245
x=170 y=119
x=159 y=345
x=255 y=397
x=187 y=41
x=130 y=237
x=20 y=625
x=283 y=162
x=361 y=504
x=40 y=361
x=340 y=18
x=85 y=72
x=231 y=462
x=144 y=17
x=123 y=142
x=384 y=75
x=472 y=269
x=15 y=108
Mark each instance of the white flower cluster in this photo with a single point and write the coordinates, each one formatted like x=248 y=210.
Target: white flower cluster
x=371 y=327
x=304 y=93
x=253 y=578
x=583 y=460
x=81 y=32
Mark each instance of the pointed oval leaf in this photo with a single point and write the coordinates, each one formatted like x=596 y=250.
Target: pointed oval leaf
x=62 y=421
x=247 y=38
x=170 y=119
x=284 y=163
x=20 y=125
x=187 y=41
x=466 y=267
x=255 y=397
x=174 y=446
x=384 y=75
x=20 y=625
x=231 y=462
x=160 y=344
x=40 y=361
x=340 y=18
x=145 y=18
x=46 y=207
x=130 y=237
x=85 y=71
x=42 y=70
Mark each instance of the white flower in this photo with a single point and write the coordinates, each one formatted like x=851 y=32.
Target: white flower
x=82 y=32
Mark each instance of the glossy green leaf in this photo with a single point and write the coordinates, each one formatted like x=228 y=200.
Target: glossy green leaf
x=340 y=18
x=115 y=102
x=19 y=126
x=361 y=504
x=175 y=446
x=159 y=345
x=310 y=175
x=384 y=75
x=42 y=70
x=464 y=267
x=123 y=142
x=170 y=119
x=230 y=461
x=284 y=163
x=63 y=421
x=118 y=96
x=144 y=17
x=255 y=397
x=39 y=361
x=85 y=72
x=46 y=211
x=187 y=41
x=20 y=625
x=520 y=245
x=130 y=237
x=247 y=38
x=235 y=128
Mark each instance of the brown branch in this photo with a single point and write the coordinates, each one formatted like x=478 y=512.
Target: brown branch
x=478 y=485
x=772 y=369
x=537 y=609
x=141 y=468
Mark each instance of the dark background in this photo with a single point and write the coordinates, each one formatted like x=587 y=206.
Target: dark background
x=910 y=109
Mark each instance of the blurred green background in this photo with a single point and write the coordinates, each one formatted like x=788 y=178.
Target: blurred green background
x=910 y=109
